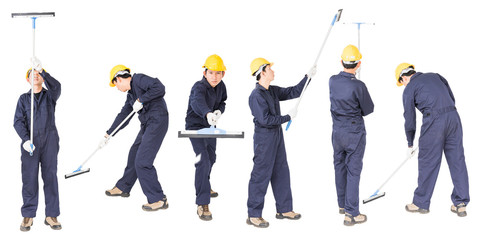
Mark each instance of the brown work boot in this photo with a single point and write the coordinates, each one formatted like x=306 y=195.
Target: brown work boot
x=213 y=194
x=115 y=192
x=26 y=224
x=53 y=223
x=162 y=204
x=289 y=215
x=413 y=208
x=204 y=213
x=460 y=209
x=351 y=220
x=257 y=222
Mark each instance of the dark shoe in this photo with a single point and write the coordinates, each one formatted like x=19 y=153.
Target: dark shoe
x=341 y=210
x=53 y=223
x=213 y=194
x=460 y=209
x=413 y=208
x=162 y=204
x=115 y=192
x=257 y=222
x=26 y=224
x=204 y=213
x=351 y=220
x=289 y=215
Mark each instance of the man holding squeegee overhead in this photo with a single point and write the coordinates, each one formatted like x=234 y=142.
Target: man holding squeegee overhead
x=270 y=158
x=206 y=105
x=45 y=148
x=441 y=133
x=350 y=102
x=145 y=97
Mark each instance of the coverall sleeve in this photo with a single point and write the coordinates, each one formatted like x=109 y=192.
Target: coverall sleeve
x=448 y=87
x=198 y=103
x=126 y=109
x=365 y=101
x=153 y=89
x=292 y=92
x=221 y=107
x=54 y=87
x=20 y=122
x=259 y=108
x=410 y=115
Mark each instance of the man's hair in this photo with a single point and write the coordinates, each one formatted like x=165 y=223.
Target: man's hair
x=409 y=73
x=126 y=75
x=349 y=65
x=263 y=70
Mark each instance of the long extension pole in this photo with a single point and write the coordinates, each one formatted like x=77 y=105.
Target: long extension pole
x=336 y=18
x=34 y=17
x=79 y=170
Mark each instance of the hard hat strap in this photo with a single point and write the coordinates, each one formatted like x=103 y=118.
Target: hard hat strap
x=260 y=70
x=406 y=70
x=119 y=73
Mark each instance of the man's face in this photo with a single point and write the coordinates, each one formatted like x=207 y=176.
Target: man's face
x=269 y=73
x=122 y=84
x=213 y=77
x=405 y=80
x=37 y=78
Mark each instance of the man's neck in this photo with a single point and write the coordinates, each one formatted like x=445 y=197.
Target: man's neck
x=264 y=83
x=350 y=70
x=37 y=88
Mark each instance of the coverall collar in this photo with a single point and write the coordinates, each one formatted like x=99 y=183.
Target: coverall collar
x=41 y=92
x=415 y=75
x=345 y=74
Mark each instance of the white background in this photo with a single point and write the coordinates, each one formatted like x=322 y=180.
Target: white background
x=171 y=40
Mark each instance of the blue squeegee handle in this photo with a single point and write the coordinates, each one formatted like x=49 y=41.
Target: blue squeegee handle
x=288 y=125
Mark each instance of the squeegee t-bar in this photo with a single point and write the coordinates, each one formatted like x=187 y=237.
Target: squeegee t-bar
x=336 y=18
x=108 y=138
x=34 y=17
x=394 y=172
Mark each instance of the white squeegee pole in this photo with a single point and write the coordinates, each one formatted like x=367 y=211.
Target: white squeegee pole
x=31 y=82
x=336 y=18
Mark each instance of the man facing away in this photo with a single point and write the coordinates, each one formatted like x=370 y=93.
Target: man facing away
x=350 y=102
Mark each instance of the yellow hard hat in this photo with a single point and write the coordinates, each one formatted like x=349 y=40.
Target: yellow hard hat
x=257 y=63
x=400 y=68
x=214 y=63
x=351 y=54
x=30 y=69
x=114 y=71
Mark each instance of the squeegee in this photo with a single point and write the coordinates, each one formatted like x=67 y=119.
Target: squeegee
x=377 y=194
x=211 y=132
x=33 y=16
x=79 y=169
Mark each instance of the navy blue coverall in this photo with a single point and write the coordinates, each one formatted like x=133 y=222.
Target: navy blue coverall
x=45 y=139
x=441 y=132
x=350 y=101
x=154 y=125
x=270 y=157
x=204 y=99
